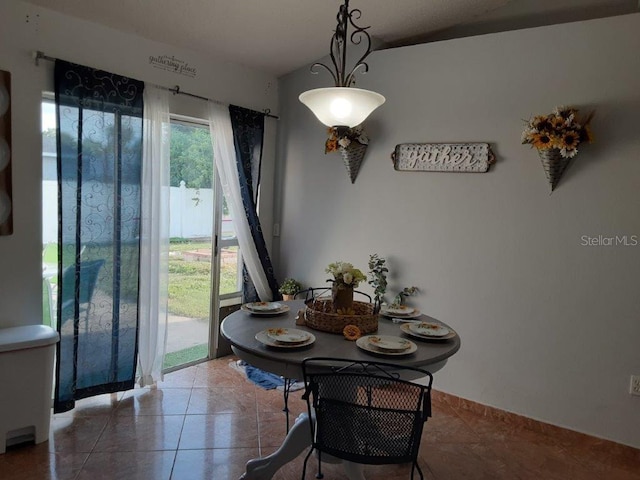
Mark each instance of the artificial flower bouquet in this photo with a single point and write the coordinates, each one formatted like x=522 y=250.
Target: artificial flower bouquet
x=562 y=129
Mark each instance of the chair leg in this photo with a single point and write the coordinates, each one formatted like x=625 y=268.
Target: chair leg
x=319 y=475
x=413 y=467
x=304 y=465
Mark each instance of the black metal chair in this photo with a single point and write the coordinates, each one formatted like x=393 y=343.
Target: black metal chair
x=365 y=412
x=317 y=292
x=88 y=278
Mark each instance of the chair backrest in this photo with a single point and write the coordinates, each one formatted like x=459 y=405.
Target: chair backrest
x=365 y=411
x=87 y=283
x=317 y=292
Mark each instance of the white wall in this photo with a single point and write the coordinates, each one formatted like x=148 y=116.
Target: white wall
x=25 y=28
x=550 y=328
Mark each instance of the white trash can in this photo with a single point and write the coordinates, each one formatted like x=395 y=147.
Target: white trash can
x=26 y=378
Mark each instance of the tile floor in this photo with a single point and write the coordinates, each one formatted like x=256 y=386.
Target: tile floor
x=206 y=421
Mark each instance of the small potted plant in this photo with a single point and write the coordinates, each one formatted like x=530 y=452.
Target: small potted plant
x=289 y=288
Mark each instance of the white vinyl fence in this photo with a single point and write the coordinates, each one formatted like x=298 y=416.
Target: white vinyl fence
x=190 y=213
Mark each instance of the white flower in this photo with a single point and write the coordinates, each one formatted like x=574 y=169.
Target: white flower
x=344 y=142
x=363 y=139
x=568 y=153
x=348 y=278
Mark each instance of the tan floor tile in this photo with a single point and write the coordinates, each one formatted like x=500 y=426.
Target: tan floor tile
x=94 y=406
x=221 y=400
x=33 y=462
x=128 y=465
x=220 y=417
x=457 y=461
x=445 y=426
x=75 y=434
x=218 y=464
x=219 y=374
x=273 y=428
x=141 y=433
x=155 y=401
x=179 y=379
x=219 y=431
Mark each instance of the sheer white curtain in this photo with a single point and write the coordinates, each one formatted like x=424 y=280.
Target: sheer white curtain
x=154 y=236
x=225 y=159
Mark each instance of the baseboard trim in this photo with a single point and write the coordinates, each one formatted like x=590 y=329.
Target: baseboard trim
x=618 y=453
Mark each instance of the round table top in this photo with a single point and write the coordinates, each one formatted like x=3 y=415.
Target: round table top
x=240 y=329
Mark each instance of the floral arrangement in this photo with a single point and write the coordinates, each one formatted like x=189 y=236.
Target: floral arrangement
x=290 y=287
x=561 y=129
x=340 y=137
x=345 y=273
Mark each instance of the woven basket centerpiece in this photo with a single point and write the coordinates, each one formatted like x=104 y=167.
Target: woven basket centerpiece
x=319 y=315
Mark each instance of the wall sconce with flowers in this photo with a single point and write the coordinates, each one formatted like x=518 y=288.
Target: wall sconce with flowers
x=352 y=145
x=556 y=138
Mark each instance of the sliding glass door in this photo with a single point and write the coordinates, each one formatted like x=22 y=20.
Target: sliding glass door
x=201 y=225
x=200 y=282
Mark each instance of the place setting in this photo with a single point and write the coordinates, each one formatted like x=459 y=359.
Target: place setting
x=429 y=331
x=386 y=345
x=400 y=312
x=281 y=337
x=264 y=308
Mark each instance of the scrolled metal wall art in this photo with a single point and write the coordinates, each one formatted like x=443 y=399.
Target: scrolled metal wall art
x=443 y=157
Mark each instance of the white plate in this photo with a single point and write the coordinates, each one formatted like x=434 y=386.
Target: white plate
x=263 y=338
x=405 y=327
x=283 y=309
x=399 y=310
x=363 y=343
x=389 y=343
x=429 y=329
x=264 y=306
x=287 y=335
x=414 y=314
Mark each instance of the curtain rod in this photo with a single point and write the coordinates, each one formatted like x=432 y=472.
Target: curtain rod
x=38 y=55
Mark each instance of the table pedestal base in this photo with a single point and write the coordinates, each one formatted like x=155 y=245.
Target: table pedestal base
x=294 y=444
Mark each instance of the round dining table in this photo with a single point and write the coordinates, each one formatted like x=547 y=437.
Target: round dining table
x=245 y=329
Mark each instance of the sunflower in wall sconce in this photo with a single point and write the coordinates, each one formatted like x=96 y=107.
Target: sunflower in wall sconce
x=556 y=137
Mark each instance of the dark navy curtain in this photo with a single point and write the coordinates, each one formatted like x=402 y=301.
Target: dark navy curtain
x=99 y=140
x=248 y=136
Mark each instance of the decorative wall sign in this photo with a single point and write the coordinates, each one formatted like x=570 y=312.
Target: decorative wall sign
x=173 y=64
x=443 y=157
x=6 y=215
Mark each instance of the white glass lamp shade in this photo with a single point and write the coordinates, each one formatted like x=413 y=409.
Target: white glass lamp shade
x=341 y=106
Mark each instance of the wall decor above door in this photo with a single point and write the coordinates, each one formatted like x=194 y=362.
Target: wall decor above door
x=6 y=215
x=443 y=157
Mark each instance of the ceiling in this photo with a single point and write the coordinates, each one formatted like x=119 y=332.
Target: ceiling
x=279 y=36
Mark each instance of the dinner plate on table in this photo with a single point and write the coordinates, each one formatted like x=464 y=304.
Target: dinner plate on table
x=386 y=345
x=400 y=312
x=265 y=308
x=271 y=338
x=288 y=335
x=428 y=333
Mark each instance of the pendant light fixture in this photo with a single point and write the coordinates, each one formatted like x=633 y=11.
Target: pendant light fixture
x=343 y=105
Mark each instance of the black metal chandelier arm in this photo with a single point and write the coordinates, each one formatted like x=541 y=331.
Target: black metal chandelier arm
x=350 y=78
x=318 y=64
x=338 y=47
x=356 y=38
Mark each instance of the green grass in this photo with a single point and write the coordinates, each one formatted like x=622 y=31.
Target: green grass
x=189 y=288
x=185 y=356
x=46 y=305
